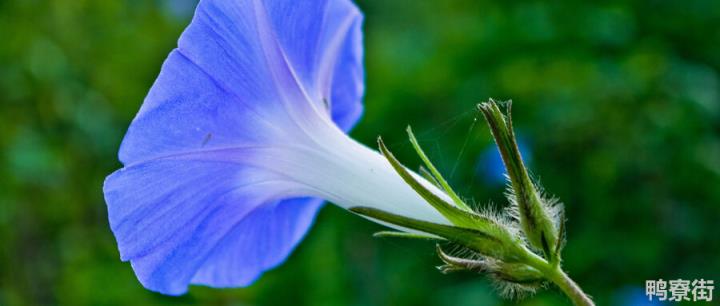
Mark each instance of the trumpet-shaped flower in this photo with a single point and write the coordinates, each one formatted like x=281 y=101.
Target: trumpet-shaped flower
x=241 y=138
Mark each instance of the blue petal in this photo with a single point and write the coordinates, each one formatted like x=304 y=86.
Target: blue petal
x=261 y=241
x=241 y=72
x=342 y=85
x=203 y=221
x=189 y=207
x=348 y=83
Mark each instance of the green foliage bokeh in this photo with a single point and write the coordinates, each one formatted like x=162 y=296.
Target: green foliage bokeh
x=618 y=102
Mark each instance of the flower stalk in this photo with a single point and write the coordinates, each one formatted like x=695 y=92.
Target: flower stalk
x=519 y=249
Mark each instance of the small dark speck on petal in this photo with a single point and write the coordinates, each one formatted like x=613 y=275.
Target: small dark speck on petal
x=206 y=140
x=326 y=103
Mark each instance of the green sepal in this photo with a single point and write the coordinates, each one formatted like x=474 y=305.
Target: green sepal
x=394 y=234
x=428 y=176
x=516 y=273
x=453 y=263
x=435 y=173
x=533 y=214
x=454 y=214
x=561 y=237
x=473 y=239
x=446 y=268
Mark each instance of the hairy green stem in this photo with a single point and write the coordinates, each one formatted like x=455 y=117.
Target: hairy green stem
x=570 y=288
x=555 y=274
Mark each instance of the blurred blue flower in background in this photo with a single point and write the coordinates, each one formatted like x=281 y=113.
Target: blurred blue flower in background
x=635 y=296
x=239 y=140
x=179 y=9
x=490 y=164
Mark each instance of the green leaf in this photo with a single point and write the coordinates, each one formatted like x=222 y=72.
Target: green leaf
x=436 y=174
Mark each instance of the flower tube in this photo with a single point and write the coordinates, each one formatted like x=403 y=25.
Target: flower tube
x=239 y=141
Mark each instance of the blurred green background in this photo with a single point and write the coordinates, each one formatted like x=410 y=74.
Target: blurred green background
x=617 y=103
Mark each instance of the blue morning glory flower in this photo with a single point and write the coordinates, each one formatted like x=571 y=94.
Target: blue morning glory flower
x=239 y=141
